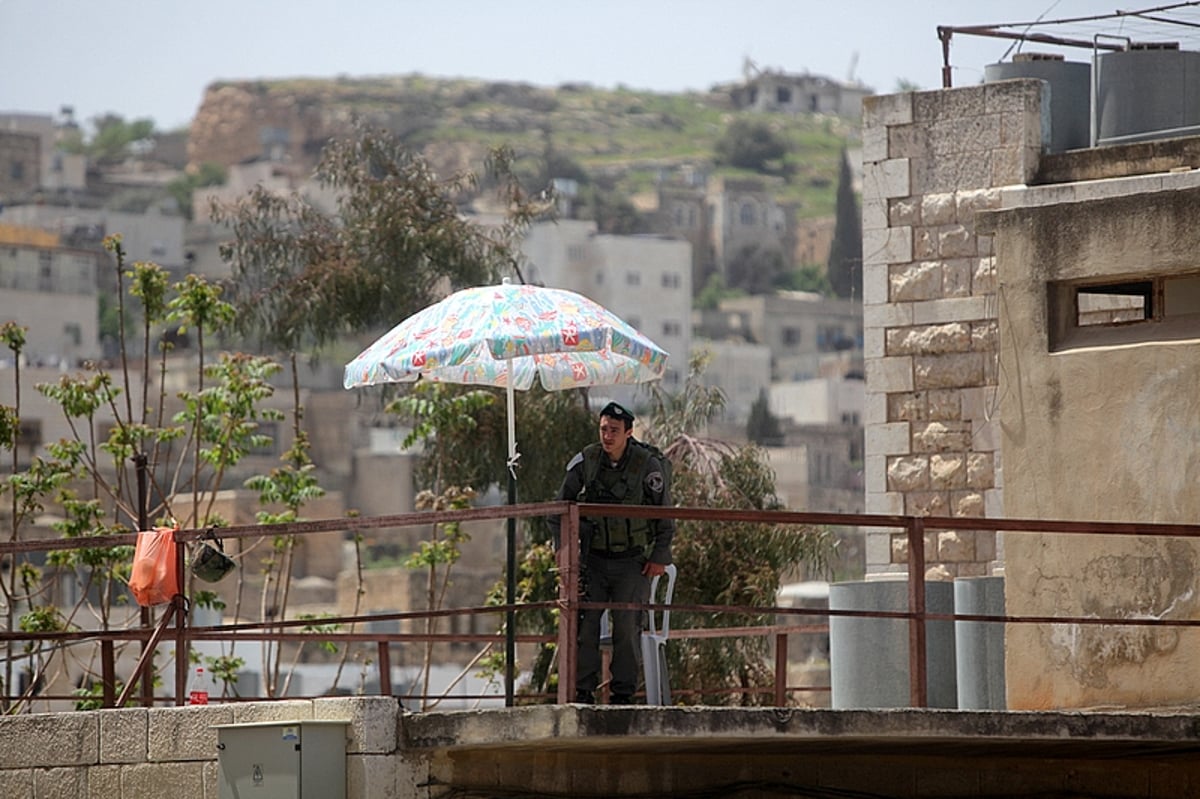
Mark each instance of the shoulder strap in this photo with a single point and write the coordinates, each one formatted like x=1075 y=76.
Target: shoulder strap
x=591 y=463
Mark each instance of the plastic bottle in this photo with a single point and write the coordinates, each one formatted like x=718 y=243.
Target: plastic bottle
x=198 y=695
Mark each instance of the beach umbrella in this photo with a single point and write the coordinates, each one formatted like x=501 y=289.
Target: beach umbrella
x=507 y=336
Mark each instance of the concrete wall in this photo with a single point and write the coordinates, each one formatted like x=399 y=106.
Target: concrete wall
x=601 y=751
x=140 y=752
x=1100 y=432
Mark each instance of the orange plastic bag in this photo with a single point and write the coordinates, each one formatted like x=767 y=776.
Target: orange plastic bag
x=155 y=576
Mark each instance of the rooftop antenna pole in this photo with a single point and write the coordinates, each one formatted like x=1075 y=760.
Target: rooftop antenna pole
x=945 y=34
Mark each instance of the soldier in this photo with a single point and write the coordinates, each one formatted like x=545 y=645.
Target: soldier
x=619 y=556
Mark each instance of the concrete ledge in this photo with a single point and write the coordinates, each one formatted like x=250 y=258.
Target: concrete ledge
x=639 y=751
x=634 y=751
x=716 y=728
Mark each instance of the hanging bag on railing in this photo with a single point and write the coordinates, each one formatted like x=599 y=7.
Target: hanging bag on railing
x=155 y=576
x=209 y=562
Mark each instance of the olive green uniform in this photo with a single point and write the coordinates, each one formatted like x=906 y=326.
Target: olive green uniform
x=614 y=551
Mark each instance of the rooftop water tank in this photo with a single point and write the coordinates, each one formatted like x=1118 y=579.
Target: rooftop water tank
x=1070 y=94
x=1147 y=93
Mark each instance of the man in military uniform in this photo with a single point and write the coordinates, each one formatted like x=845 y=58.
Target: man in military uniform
x=619 y=556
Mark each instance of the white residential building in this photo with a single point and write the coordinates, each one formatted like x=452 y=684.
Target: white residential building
x=646 y=280
x=741 y=370
x=154 y=236
x=824 y=400
x=51 y=291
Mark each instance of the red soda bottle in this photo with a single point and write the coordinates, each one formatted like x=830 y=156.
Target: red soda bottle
x=198 y=695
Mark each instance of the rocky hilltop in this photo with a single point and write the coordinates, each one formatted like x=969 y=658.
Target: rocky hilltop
x=453 y=122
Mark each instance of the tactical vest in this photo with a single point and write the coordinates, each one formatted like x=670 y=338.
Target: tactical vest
x=622 y=487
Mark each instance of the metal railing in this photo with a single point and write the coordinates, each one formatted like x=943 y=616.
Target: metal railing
x=172 y=625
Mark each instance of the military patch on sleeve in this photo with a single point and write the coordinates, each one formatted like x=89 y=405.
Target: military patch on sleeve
x=577 y=459
x=654 y=481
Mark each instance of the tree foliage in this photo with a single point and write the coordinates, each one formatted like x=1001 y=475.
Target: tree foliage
x=182 y=187
x=845 y=254
x=113 y=139
x=465 y=434
x=809 y=277
x=739 y=565
x=303 y=276
x=751 y=144
x=763 y=427
x=756 y=269
x=709 y=298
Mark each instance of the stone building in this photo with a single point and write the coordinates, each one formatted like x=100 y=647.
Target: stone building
x=992 y=392
x=20 y=154
x=51 y=290
x=646 y=280
x=32 y=162
x=775 y=90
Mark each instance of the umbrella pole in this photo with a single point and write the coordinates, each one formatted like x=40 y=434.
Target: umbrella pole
x=510 y=621
x=510 y=640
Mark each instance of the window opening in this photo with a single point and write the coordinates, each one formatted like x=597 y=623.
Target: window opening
x=1114 y=303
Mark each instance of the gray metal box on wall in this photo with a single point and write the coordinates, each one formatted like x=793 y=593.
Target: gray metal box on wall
x=282 y=760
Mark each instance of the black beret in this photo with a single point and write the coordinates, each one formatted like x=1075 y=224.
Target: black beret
x=618 y=412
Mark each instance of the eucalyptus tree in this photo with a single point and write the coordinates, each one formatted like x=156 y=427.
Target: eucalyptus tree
x=304 y=276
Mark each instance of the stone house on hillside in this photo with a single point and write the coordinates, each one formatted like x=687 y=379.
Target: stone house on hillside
x=994 y=389
x=775 y=90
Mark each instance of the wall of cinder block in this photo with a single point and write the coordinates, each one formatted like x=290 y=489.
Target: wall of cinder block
x=135 y=753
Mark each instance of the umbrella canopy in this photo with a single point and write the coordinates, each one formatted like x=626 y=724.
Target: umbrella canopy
x=505 y=336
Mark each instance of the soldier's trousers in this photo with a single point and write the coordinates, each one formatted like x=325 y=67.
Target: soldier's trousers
x=613 y=580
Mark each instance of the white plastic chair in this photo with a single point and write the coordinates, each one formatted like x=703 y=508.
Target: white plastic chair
x=654 y=642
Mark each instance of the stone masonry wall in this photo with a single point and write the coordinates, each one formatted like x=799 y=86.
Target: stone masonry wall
x=931 y=161
x=139 y=753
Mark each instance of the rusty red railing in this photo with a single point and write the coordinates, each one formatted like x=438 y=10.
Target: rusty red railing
x=172 y=625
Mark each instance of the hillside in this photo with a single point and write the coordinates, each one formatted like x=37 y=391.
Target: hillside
x=624 y=138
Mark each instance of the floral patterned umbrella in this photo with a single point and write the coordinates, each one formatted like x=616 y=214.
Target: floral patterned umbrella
x=506 y=335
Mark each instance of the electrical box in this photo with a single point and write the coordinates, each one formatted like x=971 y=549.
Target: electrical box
x=282 y=760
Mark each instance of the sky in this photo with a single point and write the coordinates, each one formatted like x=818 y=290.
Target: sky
x=154 y=58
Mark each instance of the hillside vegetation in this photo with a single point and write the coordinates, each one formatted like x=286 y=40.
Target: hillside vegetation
x=626 y=140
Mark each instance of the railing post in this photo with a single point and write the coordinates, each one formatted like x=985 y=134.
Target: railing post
x=385 y=667
x=781 y=663
x=140 y=461
x=510 y=595
x=183 y=645
x=108 y=672
x=568 y=602
x=917 y=666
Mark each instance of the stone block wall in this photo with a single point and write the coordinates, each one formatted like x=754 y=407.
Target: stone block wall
x=931 y=161
x=138 y=753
